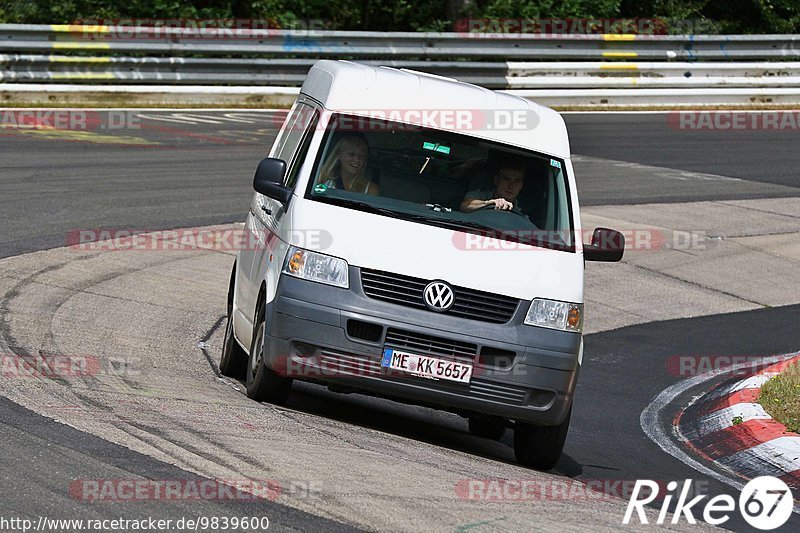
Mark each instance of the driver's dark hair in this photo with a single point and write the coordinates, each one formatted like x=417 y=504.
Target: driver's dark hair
x=499 y=160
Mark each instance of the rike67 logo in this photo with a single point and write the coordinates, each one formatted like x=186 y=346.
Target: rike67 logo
x=765 y=503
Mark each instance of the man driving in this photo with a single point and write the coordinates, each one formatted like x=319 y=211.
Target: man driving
x=508 y=181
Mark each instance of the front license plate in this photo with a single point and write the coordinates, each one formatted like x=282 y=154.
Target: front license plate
x=426 y=366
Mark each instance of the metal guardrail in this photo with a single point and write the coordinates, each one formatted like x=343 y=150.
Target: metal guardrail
x=500 y=75
x=555 y=69
x=423 y=45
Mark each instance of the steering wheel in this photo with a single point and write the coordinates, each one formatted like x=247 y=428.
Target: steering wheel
x=492 y=207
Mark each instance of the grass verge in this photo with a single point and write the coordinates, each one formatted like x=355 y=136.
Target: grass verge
x=780 y=397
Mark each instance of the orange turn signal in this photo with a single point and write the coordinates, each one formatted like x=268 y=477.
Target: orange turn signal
x=574 y=317
x=296 y=262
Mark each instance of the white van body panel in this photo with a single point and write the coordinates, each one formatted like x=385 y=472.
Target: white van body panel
x=383 y=243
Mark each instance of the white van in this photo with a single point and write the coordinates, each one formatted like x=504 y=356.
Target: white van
x=418 y=239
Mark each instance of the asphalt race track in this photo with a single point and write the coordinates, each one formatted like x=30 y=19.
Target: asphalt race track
x=738 y=294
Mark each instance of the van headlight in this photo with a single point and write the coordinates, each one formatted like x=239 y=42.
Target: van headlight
x=313 y=266
x=555 y=315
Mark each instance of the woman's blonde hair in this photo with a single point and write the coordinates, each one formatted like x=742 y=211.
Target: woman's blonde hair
x=331 y=169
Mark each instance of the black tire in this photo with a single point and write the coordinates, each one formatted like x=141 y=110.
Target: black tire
x=540 y=447
x=492 y=428
x=233 y=361
x=263 y=384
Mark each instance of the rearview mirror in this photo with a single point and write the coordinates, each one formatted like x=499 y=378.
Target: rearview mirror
x=607 y=245
x=269 y=179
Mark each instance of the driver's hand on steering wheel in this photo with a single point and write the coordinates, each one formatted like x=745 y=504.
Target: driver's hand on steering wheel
x=501 y=204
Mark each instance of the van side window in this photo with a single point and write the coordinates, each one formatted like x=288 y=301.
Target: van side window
x=301 y=116
x=300 y=155
x=283 y=134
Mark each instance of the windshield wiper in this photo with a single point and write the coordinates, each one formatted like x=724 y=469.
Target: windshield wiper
x=361 y=206
x=481 y=229
x=455 y=224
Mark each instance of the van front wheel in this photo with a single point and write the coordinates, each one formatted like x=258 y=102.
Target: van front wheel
x=233 y=361
x=263 y=383
x=540 y=447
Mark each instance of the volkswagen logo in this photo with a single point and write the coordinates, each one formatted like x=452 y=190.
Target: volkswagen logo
x=438 y=296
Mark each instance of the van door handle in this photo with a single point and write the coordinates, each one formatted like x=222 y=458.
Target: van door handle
x=267 y=210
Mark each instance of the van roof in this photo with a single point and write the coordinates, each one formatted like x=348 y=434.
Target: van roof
x=413 y=97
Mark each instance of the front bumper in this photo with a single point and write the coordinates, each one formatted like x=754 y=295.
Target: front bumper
x=335 y=336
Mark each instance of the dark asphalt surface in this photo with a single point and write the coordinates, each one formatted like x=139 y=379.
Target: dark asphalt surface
x=42 y=458
x=770 y=156
x=182 y=174
x=177 y=176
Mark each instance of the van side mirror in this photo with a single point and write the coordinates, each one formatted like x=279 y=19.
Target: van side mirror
x=269 y=179
x=607 y=245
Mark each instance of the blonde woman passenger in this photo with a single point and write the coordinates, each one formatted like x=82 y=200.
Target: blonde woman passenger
x=345 y=167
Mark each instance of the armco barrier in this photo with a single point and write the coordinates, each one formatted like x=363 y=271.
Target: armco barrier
x=575 y=71
x=501 y=75
x=423 y=45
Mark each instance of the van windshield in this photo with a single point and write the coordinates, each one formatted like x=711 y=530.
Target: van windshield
x=444 y=179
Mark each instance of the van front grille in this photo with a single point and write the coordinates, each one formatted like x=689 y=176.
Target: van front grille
x=364 y=330
x=420 y=343
x=407 y=291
